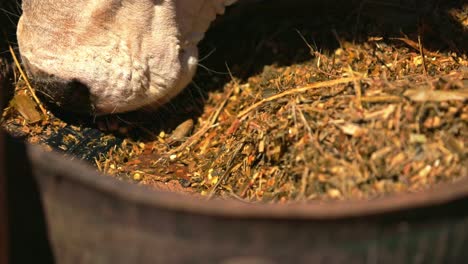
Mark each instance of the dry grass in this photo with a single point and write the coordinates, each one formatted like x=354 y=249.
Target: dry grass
x=360 y=120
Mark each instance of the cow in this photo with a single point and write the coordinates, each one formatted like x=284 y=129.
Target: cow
x=113 y=56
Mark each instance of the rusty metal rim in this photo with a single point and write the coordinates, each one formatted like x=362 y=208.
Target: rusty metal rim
x=82 y=174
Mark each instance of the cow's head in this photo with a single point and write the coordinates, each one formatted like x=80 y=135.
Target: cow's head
x=118 y=55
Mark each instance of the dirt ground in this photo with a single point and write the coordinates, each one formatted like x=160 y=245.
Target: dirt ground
x=344 y=105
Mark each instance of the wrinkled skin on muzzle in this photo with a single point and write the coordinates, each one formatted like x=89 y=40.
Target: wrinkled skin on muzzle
x=111 y=56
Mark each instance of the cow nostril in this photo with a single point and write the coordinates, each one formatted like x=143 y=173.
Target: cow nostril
x=71 y=95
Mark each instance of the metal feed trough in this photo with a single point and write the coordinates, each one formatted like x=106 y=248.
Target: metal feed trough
x=93 y=218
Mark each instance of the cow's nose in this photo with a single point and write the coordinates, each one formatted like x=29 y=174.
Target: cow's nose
x=71 y=95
